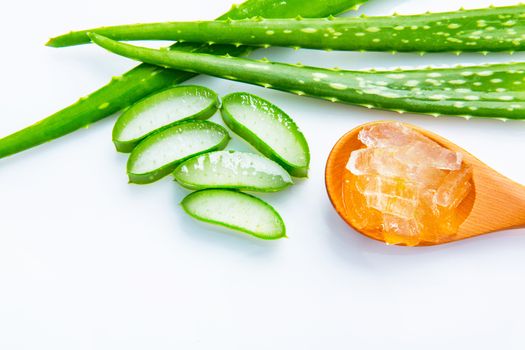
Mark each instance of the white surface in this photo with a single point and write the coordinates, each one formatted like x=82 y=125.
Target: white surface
x=90 y=262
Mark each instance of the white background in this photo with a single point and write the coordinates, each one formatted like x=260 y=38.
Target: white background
x=90 y=262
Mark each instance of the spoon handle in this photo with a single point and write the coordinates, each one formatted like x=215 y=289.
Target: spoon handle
x=499 y=203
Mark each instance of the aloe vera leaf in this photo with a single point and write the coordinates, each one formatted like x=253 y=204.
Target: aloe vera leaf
x=162 y=110
x=159 y=154
x=490 y=91
x=233 y=170
x=145 y=79
x=269 y=129
x=237 y=211
x=487 y=29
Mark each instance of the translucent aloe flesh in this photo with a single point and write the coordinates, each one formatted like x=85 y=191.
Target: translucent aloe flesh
x=234 y=170
x=162 y=110
x=159 y=154
x=488 y=29
x=269 y=129
x=146 y=79
x=492 y=91
x=237 y=211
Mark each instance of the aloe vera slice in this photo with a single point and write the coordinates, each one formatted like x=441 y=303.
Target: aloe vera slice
x=235 y=170
x=160 y=111
x=237 y=211
x=270 y=130
x=159 y=154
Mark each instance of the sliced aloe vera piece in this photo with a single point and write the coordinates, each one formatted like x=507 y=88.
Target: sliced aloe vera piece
x=237 y=211
x=236 y=170
x=159 y=154
x=162 y=110
x=270 y=130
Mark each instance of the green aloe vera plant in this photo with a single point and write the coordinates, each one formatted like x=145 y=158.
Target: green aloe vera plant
x=146 y=79
x=488 y=29
x=491 y=91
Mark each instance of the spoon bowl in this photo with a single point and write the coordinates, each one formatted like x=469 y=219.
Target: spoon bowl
x=495 y=202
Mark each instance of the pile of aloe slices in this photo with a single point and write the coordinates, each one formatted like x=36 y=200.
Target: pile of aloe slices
x=168 y=133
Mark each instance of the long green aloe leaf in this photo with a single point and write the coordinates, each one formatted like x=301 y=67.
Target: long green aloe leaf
x=147 y=79
x=492 y=91
x=488 y=29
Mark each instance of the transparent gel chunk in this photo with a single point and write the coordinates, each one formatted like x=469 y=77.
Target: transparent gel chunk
x=413 y=147
x=429 y=155
x=454 y=188
x=428 y=177
x=392 y=134
x=391 y=196
x=400 y=231
x=369 y=220
x=373 y=161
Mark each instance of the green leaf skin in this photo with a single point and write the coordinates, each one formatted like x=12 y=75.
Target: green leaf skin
x=488 y=29
x=162 y=110
x=269 y=129
x=490 y=91
x=145 y=79
x=159 y=154
x=233 y=170
x=236 y=211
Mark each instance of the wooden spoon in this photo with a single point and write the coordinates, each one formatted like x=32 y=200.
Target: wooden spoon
x=495 y=203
